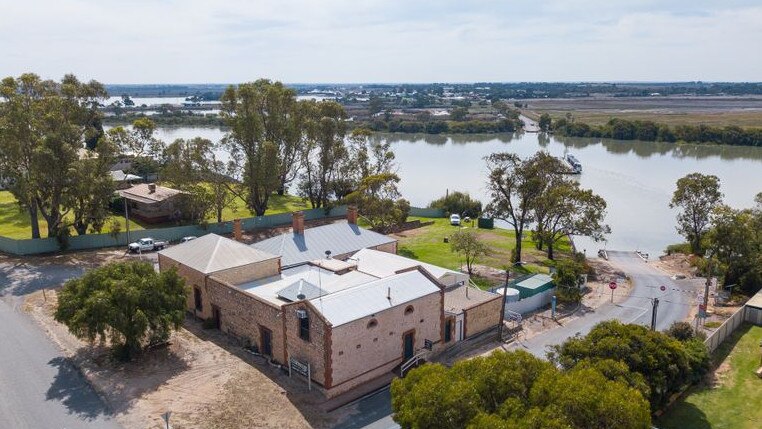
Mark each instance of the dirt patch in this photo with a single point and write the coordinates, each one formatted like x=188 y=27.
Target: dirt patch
x=676 y=265
x=199 y=376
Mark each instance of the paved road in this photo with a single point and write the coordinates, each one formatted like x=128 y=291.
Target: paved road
x=674 y=304
x=530 y=125
x=39 y=388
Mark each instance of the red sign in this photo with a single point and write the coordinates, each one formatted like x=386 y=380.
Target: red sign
x=663 y=288
x=612 y=285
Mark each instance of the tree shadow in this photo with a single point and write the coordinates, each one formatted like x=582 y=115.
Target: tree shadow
x=21 y=278
x=72 y=389
x=404 y=251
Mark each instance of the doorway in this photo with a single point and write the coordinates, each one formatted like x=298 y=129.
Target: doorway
x=408 y=343
x=266 y=341
x=217 y=317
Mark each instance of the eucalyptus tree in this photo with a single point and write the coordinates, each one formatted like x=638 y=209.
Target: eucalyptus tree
x=324 y=152
x=264 y=127
x=696 y=196
x=43 y=131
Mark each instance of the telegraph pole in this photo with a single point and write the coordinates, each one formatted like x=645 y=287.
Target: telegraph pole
x=708 y=279
x=655 y=304
x=502 y=308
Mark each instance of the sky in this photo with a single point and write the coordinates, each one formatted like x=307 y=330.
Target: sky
x=383 y=41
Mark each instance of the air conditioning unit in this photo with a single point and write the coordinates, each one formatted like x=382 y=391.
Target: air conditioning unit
x=301 y=314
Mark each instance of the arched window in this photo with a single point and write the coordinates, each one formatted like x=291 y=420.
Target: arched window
x=409 y=310
x=372 y=323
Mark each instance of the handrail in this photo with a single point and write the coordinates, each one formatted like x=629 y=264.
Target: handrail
x=412 y=361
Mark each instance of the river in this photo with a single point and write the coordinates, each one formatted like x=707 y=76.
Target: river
x=636 y=178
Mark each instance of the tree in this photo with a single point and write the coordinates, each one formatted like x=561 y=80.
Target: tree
x=193 y=166
x=565 y=209
x=138 y=140
x=127 y=303
x=92 y=189
x=514 y=391
x=566 y=279
x=323 y=153
x=459 y=114
x=458 y=202
x=44 y=126
x=379 y=201
x=261 y=123
x=662 y=360
x=466 y=242
x=513 y=185
x=545 y=122
x=696 y=195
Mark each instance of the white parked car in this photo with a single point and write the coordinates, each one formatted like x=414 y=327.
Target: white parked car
x=146 y=245
x=187 y=239
x=455 y=220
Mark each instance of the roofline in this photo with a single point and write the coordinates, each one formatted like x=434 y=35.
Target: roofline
x=423 y=271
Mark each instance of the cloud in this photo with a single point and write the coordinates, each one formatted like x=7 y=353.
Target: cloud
x=382 y=41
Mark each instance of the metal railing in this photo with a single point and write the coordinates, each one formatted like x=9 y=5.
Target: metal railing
x=413 y=361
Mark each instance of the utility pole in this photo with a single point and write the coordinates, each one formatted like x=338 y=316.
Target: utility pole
x=502 y=307
x=655 y=303
x=127 y=219
x=708 y=280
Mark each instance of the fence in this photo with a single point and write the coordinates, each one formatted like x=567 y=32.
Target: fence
x=718 y=336
x=532 y=303
x=98 y=241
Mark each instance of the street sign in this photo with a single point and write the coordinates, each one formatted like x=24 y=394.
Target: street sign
x=612 y=285
x=165 y=417
x=298 y=367
x=662 y=288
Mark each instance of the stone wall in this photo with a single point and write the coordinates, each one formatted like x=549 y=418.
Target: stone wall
x=193 y=279
x=242 y=315
x=255 y=271
x=317 y=350
x=362 y=350
x=481 y=317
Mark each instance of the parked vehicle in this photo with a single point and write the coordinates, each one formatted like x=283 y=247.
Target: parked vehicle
x=146 y=245
x=455 y=220
x=188 y=238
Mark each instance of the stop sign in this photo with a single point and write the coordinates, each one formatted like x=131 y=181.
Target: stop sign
x=612 y=285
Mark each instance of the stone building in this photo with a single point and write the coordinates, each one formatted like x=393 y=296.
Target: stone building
x=152 y=203
x=349 y=316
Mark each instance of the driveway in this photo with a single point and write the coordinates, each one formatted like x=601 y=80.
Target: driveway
x=674 y=304
x=40 y=387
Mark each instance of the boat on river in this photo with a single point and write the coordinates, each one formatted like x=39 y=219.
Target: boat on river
x=576 y=166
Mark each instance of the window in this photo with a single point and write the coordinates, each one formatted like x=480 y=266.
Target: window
x=197 y=299
x=372 y=324
x=409 y=310
x=304 y=327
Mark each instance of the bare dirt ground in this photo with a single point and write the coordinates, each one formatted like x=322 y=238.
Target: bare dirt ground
x=201 y=377
x=676 y=264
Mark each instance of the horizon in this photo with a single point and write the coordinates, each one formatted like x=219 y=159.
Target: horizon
x=195 y=41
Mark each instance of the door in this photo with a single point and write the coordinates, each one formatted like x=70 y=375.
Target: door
x=408 y=341
x=458 y=330
x=266 y=346
x=217 y=317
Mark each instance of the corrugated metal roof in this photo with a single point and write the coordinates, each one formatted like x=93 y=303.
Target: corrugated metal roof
x=535 y=281
x=340 y=238
x=370 y=298
x=212 y=253
x=755 y=301
x=299 y=290
x=142 y=193
x=459 y=298
x=384 y=264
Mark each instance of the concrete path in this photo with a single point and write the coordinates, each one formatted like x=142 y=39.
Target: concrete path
x=39 y=388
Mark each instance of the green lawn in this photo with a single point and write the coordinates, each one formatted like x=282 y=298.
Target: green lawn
x=14 y=222
x=427 y=244
x=736 y=400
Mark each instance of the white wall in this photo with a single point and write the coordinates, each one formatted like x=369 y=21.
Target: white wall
x=532 y=303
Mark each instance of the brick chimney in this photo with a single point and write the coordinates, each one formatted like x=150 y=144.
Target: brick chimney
x=151 y=188
x=237 y=231
x=352 y=215
x=297 y=222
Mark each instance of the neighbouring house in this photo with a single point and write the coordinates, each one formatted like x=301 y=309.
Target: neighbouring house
x=123 y=180
x=152 y=203
x=350 y=316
